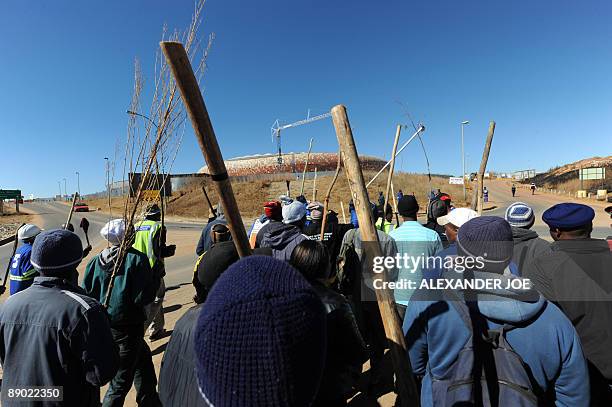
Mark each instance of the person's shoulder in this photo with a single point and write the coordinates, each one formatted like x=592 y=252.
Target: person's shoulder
x=554 y=320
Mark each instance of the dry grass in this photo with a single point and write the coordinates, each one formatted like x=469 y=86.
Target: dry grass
x=11 y=217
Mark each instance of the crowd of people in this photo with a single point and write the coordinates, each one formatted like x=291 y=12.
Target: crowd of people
x=294 y=323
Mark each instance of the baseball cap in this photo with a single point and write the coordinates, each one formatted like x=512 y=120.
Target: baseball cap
x=457 y=217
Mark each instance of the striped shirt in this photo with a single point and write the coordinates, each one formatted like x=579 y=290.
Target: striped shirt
x=414 y=243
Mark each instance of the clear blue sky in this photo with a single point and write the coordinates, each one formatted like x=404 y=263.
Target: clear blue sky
x=541 y=70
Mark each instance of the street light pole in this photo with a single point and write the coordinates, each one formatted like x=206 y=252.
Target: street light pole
x=65 y=189
x=78 y=183
x=463 y=123
x=59 y=184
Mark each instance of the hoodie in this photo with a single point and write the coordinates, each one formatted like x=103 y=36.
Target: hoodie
x=527 y=246
x=134 y=286
x=435 y=334
x=282 y=238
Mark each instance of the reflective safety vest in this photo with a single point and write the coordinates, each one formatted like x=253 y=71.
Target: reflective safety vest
x=386 y=227
x=145 y=231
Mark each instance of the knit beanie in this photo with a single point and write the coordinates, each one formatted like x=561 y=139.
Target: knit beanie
x=408 y=206
x=294 y=212
x=316 y=210
x=489 y=237
x=260 y=337
x=272 y=210
x=520 y=215
x=56 y=251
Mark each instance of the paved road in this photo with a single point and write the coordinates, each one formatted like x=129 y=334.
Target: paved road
x=49 y=215
x=501 y=196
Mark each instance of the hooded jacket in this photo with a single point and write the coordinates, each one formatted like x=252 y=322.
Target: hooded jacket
x=527 y=246
x=134 y=287
x=282 y=238
x=435 y=334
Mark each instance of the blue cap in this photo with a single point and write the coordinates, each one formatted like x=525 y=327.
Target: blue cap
x=568 y=215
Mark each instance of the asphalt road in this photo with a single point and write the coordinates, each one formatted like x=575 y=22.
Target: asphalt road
x=49 y=215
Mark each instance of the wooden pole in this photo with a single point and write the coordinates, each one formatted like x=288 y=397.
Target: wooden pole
x=397 y=222
x=477 y=199
x=329 y=190
x=305 y=167
x=343 y=213
x=314 y=186
x=288 y=187
x=74 y=198
x=407 y=390
x=390 y=176
x=177 y=59
x=210 y=205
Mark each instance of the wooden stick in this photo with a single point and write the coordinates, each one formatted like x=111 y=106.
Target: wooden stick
x=329 y=190
x=394 y=205
x=194 y=103
x=74 y=198
x=306 y=166
x=403 y=372
x=390 y=176
x=288 y=187
x=343 y=213
x=478 y=202
x=314 y=186
x=210 y=205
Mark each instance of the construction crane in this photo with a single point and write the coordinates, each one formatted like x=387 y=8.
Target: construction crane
x=277 y=127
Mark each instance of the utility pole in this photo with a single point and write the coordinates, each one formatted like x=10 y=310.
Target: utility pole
x=59 y=184
x=78 y=183
x=463 y=123
x=65 y=189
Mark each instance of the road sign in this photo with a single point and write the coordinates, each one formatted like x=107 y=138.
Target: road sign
x=455 y=180
x=151 y=195
x=10 y=194
x=592 y=173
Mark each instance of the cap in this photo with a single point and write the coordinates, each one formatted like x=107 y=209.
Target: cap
x=520 y=215
x=114 y=231
x=293 y=212
x=457 y=217
x=316 y=210
x=56 y=250
x=568 y=215
x=408 y=206
x=28 y=231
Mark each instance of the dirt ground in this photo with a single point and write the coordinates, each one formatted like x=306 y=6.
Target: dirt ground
x=10 y=220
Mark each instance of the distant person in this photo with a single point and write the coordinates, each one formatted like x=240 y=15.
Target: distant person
x=260 y=338
x=533 y=188
x=415 y=241
x=346 y=350
x=493 y=347
x=513 y=190
x=527 y=244
x=400 y=195
x=134 y=287
x=150 y=239
x=53 y=334
x=22 y=272
x=485 y=194
x=283 y=237
x=334 y=230
x=385 y=223
x=272 y=213
x=70 y=227
x=437 y=209
x=381 y=199
x=577 y=275
x=218 y=217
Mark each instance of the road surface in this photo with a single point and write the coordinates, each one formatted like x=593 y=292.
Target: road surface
x=49 y=215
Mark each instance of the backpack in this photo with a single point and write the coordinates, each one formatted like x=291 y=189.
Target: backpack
x=348 y=266
x=487 y=371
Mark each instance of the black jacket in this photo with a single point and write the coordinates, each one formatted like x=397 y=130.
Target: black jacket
x=346 y=349
x=577 y=276
x=527 y=246
x=332 y=238
x=52 y=334
x=178 y=385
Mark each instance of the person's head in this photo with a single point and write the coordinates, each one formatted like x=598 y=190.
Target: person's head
x=302 y=199
x=153 y=213
x=261 y=337
x=220 y=233
x=114 y=231
x=294 y=214
x=446 y=198
x=273 y=210
x=609 y=212
x=389 y=213
x=57 y=253
x=489 y=239
x=569 y=221
x=28 y=232
x=437 y=208
x=316 y=211
x=520 y=215
x=454 y=220
x=211 y=265
x=311 y=258
x=408 y=207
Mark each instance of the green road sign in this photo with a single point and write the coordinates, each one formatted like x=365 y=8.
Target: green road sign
x=10 y=193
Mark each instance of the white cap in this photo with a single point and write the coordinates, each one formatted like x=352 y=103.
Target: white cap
x=457 y=217
x=114 y=231
x=28 y=231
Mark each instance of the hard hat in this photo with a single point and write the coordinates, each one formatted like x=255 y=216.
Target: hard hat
x=28 y=231
x=153 y=210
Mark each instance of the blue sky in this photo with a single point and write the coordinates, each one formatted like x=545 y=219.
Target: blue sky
x=541 y=70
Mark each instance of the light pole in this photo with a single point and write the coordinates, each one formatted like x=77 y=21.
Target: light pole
x=59 y=184
x=463 y=123
x=65 y=189
x=78 y=183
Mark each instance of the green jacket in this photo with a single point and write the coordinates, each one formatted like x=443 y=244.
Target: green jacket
x=134 y=287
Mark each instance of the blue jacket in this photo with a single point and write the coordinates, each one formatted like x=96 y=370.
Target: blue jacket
x=22 y=272
x=547 y=343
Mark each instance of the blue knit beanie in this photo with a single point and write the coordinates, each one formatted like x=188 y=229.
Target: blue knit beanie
x=260 y=337
x=489 y=237
x=520 y=215
x=56 y=251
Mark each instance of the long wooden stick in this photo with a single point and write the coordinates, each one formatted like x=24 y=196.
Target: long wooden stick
x=390 y=176
x=403 y=373
x=210 y=205
x=314 y=186
x=329 y=190
x=194 y=103
x=477 y=193
x=305 y=167
x=343 y=213
x=394 y=205
x=74 y=198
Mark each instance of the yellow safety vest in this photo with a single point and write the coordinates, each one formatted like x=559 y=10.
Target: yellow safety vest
x=145 y=231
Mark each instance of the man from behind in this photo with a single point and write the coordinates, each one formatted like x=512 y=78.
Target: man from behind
x=477 y=347
x=527 y=244
x=22 y=272
x=577 y=275
x=53 y=334
x=283 y=237
x=134 y=287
